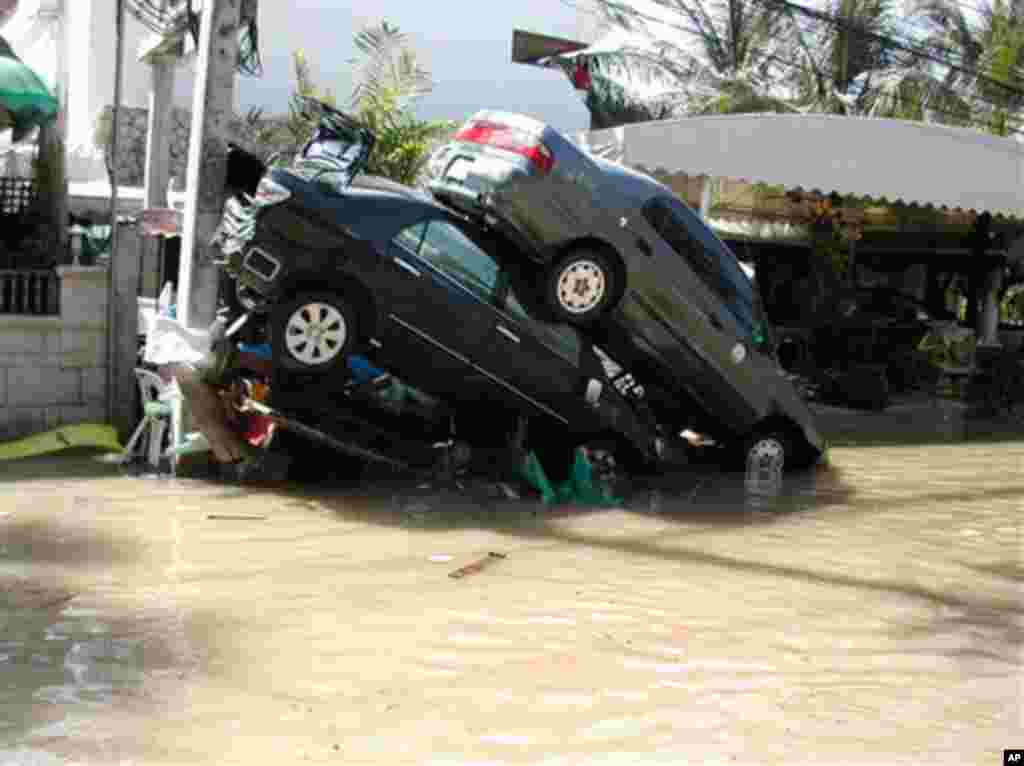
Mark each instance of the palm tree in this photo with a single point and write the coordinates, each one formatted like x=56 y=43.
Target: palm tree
x=854 y=62
x=987 y=58
x=720 y=61
x=387 y=83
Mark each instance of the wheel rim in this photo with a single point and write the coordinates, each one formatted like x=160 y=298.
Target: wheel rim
x=767 y=451
x=581 y=286
x=315 y=334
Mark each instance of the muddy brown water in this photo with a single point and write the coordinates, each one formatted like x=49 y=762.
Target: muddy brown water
x=870 y=612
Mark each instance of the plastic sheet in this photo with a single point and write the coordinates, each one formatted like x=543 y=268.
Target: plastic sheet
x=581 y=488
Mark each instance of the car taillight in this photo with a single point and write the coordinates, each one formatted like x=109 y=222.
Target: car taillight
x=511 y=139
x=269 y=192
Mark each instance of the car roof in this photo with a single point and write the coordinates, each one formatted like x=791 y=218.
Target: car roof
x=634 y=184
x=379 y=183
x=376 y=208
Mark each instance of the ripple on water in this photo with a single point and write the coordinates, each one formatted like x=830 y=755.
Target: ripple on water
x=53 y=663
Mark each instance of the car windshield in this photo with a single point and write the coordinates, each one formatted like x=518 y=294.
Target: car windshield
x=709 y=257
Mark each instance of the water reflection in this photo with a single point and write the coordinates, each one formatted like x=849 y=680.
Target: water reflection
x=761 y=494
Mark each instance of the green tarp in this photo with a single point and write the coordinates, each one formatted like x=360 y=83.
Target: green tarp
x=581 y=488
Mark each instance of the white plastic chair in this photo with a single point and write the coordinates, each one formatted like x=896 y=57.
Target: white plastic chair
x=156 y=415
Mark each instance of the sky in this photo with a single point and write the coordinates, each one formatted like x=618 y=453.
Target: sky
x=466 y=45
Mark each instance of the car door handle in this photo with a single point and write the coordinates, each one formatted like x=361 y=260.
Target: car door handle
x=408 y=267
x=508 y=334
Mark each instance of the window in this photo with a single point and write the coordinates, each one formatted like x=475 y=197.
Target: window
x=562 y=339
x=450 y=251
x=411 y=237
x=707 y=256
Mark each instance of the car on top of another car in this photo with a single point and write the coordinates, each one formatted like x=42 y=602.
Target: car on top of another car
x=337 y=263
x=617 y=253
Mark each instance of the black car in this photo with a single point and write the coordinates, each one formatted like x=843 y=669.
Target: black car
x=616 y=252
x=372 y=267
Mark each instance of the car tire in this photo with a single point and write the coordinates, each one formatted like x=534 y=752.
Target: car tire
x=580 y=287
x=765 y=448
x=313 y=332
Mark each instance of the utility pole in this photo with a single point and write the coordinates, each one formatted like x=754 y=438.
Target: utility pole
x=112 y=268
x=158 y=156
x=212 y=109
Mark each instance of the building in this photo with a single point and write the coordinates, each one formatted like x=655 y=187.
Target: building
x=73 y=41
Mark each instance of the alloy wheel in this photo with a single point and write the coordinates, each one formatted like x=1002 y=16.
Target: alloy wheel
x=315 y=334
x=581 y=286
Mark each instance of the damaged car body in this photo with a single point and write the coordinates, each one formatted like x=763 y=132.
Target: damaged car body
x=332 y=267
x=614 y=251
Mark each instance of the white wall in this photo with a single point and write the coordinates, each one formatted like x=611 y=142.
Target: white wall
x=91 y=66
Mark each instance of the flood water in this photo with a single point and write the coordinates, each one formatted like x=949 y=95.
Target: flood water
x=870 y=612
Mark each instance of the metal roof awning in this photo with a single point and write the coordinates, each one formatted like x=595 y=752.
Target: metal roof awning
x=884 y=159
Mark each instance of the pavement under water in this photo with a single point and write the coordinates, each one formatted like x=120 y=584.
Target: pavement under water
x=868 y=612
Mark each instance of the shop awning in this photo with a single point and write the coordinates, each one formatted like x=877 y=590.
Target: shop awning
x=887 y=160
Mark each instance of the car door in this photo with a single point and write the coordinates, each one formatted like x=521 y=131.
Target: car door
x=543 y=361
x=441 y=307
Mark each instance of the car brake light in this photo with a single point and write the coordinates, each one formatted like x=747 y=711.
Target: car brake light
x=511 y=139
x=269 y=192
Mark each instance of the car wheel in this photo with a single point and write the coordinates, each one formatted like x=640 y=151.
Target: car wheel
x=313 y=332
x=768 y=451
x=580 y=287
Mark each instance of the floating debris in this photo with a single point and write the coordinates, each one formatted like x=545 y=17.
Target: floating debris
x=477 y=566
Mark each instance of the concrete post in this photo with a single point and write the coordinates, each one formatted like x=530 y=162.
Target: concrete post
x=158 y=157
x=63 y=79
x=987 y=329
x=212 y=110
x=707 y=197
x=126 y=320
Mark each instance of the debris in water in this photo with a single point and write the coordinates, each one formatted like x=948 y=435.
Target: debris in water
x=477 y=566
x=220 y=517
x=441 y=558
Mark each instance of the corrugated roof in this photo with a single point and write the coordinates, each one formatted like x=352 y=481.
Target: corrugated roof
x=888 y=161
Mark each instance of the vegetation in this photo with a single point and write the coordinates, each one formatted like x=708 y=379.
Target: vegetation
x=849 y=57
x=388 y=83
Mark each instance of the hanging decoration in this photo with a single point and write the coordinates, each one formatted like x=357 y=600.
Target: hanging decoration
x=165 y=17
x=178 y=18
x=249 y=62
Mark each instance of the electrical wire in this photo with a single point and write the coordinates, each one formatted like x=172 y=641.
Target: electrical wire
x=886 y=41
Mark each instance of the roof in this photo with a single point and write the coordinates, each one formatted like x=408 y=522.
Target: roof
x=883 y=159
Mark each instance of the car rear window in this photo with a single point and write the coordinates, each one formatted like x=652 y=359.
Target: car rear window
x=707 y=255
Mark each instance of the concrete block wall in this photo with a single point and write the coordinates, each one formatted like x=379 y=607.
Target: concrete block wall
x=53 y=370
x=131 y=143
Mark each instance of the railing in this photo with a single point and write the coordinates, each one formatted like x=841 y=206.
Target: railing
x=32 y=292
